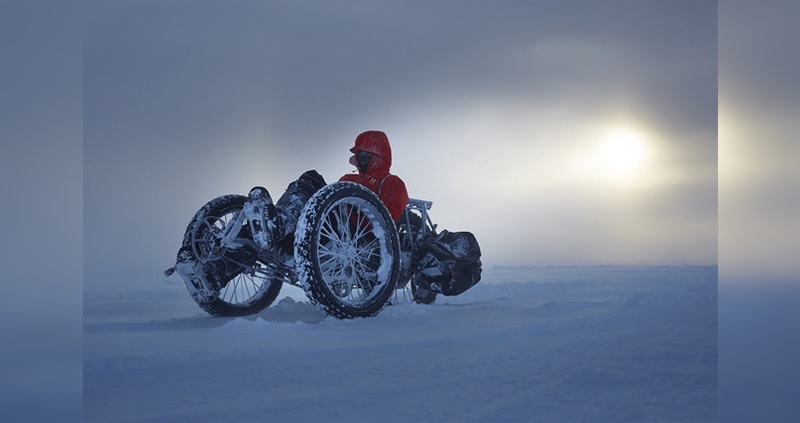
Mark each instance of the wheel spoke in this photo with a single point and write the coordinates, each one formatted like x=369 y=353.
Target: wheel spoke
x=361 y=225
x=343 y=219
x=248 y=284
x=328 y=230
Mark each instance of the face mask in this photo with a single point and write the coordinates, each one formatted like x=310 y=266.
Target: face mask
x=363 y=160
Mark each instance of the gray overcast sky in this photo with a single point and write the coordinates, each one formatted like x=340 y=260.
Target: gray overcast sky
x=558 y=132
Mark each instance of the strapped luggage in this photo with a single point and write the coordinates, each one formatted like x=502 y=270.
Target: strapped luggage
x=450 y=263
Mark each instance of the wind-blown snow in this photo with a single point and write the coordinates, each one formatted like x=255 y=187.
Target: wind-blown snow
x=526 y=344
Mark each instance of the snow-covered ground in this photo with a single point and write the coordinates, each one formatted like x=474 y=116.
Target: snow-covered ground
x=525 y=344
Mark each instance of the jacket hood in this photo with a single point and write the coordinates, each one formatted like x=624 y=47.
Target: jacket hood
x=377 y=143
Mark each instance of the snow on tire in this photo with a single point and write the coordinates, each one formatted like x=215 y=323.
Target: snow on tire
x=346 y=251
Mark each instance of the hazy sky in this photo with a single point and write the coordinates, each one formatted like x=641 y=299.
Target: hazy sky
x=557 y=132
x=759 y=105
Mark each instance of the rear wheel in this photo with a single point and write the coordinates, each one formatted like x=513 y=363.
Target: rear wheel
x=347 y=251
x=241 y=284
x=412 y=230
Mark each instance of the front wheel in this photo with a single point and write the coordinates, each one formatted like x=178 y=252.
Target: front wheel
x=347 y=251
x=241 y=285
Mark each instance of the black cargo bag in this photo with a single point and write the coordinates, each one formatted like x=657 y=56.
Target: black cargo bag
x=451 y=262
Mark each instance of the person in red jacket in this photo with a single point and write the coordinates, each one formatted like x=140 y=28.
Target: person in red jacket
x=372 y=157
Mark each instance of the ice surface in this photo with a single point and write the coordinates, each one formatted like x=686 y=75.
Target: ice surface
x=525 y=344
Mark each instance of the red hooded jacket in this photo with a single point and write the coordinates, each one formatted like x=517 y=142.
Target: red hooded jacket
x=390 y=188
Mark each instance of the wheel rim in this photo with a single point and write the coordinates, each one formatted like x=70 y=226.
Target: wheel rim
x=250 y=282
x=355 y=259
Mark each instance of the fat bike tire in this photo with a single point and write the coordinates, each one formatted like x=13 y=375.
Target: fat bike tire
x=240 y=291
x=346 y=251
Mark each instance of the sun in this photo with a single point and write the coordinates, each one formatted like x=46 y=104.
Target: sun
x=622 y=151
x=619 y=156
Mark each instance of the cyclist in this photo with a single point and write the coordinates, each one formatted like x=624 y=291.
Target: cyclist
x=372 y=157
